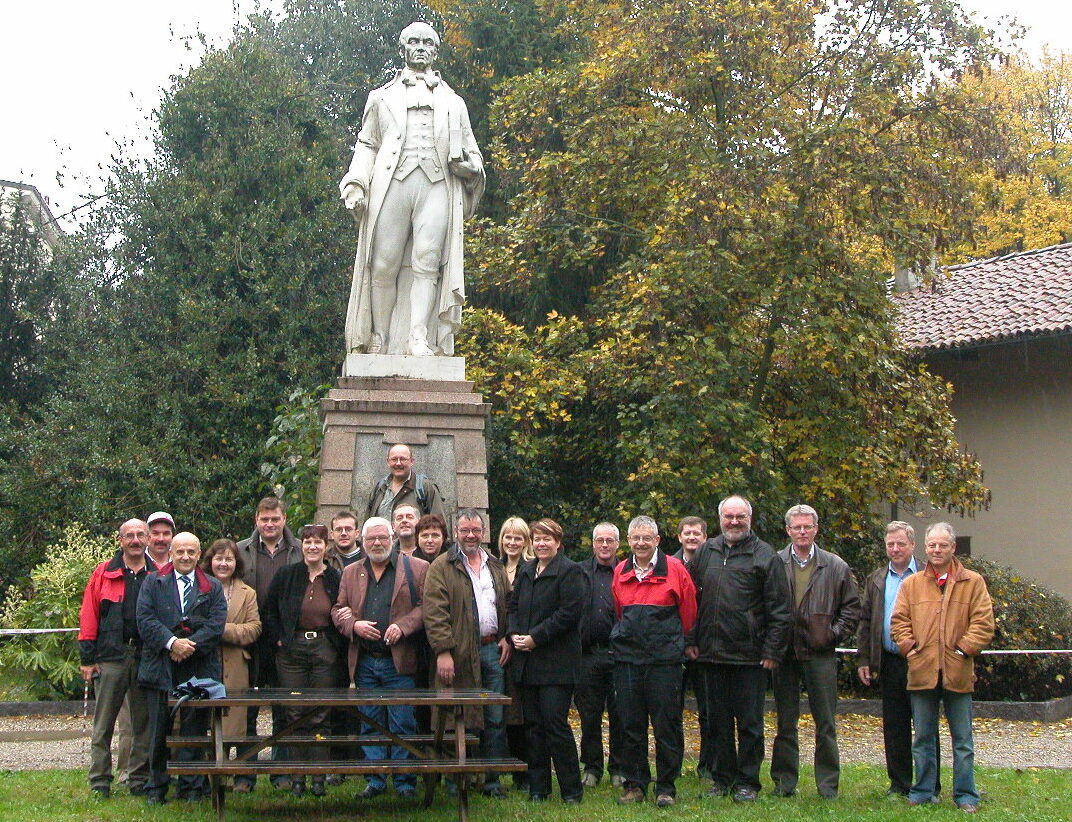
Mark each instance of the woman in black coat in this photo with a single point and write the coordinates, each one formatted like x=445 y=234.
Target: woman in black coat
x=545 y=614
x=297 y=623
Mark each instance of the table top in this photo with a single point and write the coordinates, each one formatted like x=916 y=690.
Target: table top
x=340 y=697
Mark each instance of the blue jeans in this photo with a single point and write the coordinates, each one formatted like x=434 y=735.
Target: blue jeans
x=379 y=672
x=493 y=744
x=958 y=713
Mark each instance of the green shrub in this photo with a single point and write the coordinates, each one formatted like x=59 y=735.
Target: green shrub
x=1027 y=615
x=45 y=666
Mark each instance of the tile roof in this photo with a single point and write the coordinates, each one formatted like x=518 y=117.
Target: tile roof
x=979 y=303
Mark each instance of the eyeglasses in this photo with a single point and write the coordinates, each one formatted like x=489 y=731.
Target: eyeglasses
x=466 y=532
x=643 y=539
x=374 y=540
x=801 y=529
x=735 y=517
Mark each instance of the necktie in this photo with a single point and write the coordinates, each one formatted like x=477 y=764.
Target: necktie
x=187 y=593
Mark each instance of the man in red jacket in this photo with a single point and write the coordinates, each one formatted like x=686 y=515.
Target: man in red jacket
x=655 y=600
x=109 y=645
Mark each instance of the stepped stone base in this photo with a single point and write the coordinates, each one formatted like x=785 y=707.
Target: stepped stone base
x=442 y=420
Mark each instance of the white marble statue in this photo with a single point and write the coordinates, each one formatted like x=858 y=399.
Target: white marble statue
x=417 y=173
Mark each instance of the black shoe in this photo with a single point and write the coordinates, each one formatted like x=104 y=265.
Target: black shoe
x=101 y=792
x=318 y=788
x=494 y=792
x=283 y=783
x=298 y=789
x=537 y=797
x=243 y=787
x=828 y=794
x=745 y=795
x=138 y=790
x=334 y=779
x=780 y=791
x=370 y=792
x=155 y=799
x=716 y=790
x=572 y=800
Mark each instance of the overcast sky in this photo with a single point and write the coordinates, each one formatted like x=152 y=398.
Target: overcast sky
x=79 y=76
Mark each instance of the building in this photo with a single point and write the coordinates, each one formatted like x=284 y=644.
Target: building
x=36 y=206
x=1000 y=331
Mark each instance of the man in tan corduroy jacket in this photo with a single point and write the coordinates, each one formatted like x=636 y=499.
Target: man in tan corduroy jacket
x=942 y=620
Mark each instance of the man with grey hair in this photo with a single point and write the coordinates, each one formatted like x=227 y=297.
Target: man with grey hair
x=942 y=620
x=878 y=657
x=825 y=608
x=594 y=695
x=416 y=174
x=742 y=629
x=655 y=601
x=379 y=611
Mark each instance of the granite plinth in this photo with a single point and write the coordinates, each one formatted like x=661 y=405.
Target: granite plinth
x=442 y=420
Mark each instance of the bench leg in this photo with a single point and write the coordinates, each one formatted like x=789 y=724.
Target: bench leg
x=463 y=781
x=218 y=795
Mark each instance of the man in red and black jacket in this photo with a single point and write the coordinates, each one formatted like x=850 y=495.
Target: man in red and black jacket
x=655 y=602
x=109 y=645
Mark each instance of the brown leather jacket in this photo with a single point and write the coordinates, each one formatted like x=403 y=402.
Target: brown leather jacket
x=930 y=627
x=405 y=613
x=829 y=610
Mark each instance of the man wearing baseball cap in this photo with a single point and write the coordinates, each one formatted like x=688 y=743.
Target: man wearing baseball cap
x=161 y=530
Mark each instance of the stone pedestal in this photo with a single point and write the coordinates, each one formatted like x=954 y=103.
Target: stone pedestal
x=442 y=420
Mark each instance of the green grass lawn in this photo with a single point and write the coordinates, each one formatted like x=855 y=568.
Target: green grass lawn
x=63 y=796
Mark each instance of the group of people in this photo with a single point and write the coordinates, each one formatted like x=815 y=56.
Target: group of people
x=385 y=602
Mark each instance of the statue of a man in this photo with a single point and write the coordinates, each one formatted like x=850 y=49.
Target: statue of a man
x=417 y=173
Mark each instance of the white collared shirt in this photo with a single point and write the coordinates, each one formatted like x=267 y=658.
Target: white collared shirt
x=484 y=593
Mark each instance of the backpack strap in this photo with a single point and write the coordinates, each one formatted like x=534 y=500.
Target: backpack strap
x=414 y=597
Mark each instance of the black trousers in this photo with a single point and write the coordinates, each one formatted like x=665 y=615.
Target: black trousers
x=594 y=697
x=550 y=739
x=695 y=679
x=192 y=722
x=897 y=723
x=263 y=674
x=650 y=692
x=735 y=695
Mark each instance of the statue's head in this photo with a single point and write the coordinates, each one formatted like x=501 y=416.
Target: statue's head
x=418 y=45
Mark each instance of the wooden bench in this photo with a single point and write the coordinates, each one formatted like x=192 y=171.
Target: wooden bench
x=441 y=753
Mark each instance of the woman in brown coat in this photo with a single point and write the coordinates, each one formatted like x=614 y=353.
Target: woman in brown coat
x=223 y=561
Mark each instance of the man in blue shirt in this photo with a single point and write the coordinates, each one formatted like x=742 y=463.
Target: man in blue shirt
x=879 y=659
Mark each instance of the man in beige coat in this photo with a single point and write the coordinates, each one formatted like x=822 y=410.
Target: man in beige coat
x=942 y=620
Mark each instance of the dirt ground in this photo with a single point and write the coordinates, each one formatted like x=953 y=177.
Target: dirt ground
x=44 y=742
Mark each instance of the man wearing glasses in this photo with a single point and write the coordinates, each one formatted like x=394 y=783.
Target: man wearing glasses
x=465 y=599
x=826 y=607
x=742 y=629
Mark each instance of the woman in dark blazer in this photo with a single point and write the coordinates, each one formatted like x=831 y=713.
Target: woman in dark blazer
x=545 y=614
x=297 y=623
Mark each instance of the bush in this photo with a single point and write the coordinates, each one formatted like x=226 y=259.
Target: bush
x=45 y=666
x=1026 y=616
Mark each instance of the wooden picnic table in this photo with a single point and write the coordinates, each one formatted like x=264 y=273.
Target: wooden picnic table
x=434 y=755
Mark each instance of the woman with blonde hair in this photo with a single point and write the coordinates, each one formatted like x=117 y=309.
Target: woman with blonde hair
x=515 y=549
x=515 y=546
